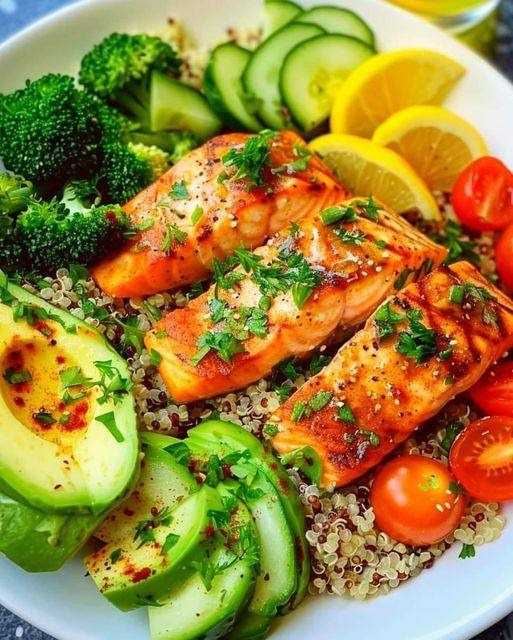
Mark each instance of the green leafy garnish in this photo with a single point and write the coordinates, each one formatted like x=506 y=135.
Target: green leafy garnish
x=179 y=191
x=338 y=214
x=74 y=377
x=451 y=433
x=467 y=551
x=109 y=421
x=307 y=460
x=316 y=403
x=172 y=236
x=17 y=376
x=115 y=556
x=145 y=529
x=155 y=358
x=169 y=543
x=250 y=161
x=386 y=320
x=350 y=237
x=345 y=414
x=180 y=452
x=418 y=342
x=270 y=430
x=302 y=154
x=44 y=417
x=197 y=214
x=402 y=278
x=458 y=248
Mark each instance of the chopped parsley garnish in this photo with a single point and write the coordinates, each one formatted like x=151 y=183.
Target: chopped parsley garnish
x=284 y=391
x=155 y=358
x=418 y=342
x=144 y=530
x=223 y=276
x=224 y=343
x=371 y=436
x=369 y=209
x=218 y=518
x=381 y=244
x=180 y=452
x=467 y=551
x=345 y=414
x=70 y=398
x=350 y=237
x=74 y=377
x=197 y=214
x=338 y=214
x=209 y=569
x=172 y=236
x=473 y=295
x=271 y=429
x=109 y=421
x=451 y=432
x=317 y=363
x=169 y=543
x=179 y=191
x=307 y=460
x=302 y=154
x=112 y=384
x=33 y=314
x=133 y=333
x=250 y=161
x=44 y=417
x=289 y=370
x=214 y=471
x=115 y=556
x=386 y=320
x=17 y=376
x=458 y=248
x=153 y=312
x=316 y=403
x=456 y=488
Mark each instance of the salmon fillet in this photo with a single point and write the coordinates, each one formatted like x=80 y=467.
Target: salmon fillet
x=391 y=377
x=199 y=210
x=352 y=273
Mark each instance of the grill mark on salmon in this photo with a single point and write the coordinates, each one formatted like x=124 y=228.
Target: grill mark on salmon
x=355 y=280
x=390 y=394
x=233 y=215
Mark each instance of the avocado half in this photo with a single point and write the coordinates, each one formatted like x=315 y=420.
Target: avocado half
x=65 y=447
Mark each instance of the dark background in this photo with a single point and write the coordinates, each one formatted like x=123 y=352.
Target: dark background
x=14 y=15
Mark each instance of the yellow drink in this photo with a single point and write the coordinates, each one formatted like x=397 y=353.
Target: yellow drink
x=456 y=15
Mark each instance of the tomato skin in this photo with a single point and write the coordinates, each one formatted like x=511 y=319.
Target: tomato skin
x=504 y=257
x=482 y=196
x=481 y=458
x=413 y=501
x=493 y=393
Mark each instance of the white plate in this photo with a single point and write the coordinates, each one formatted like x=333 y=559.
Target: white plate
x=456 y=598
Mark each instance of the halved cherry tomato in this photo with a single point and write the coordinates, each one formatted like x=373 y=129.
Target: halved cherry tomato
x=416 y=500
x=504 y=257
x=482 y=196
x=493 y=394
x=481 y=458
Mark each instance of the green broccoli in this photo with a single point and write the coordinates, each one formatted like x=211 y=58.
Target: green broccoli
x=176 y=143
x=49 y=132
x=15 y=193
x=118 y=69
x=59 y=232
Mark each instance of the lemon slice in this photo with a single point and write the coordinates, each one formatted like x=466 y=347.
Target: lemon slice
x=370 y=170
x=437 y=143
x=388 y=83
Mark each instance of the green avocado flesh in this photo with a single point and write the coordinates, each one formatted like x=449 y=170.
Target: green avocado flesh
x=38 y=541
x=156 y=535
x=69 y=440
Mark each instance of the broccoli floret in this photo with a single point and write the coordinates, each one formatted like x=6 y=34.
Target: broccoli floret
x=15 y=193
x=157 y=158
x=176 y=143
x=56 y=233
x=118 y=69
x=49 y=132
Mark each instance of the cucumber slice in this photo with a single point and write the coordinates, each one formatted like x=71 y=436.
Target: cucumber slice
x=251 y=627
x=236 y=439
x=193 y=610
x=261 y=76
x=338 y=20
x=175 y=105
x=314 y=71
x=278 y=13
x=223 y=87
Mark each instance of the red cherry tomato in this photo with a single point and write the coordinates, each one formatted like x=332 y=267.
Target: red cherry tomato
x=504 y=257
x=481 y=458
x=416 y=500
x=493 y=394
x=482 y=196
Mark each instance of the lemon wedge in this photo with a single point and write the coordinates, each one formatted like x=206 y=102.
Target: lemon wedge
x=370 y=170
x=437 y=143
x=388 y=83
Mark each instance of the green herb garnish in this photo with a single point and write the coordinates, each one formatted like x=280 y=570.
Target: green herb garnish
x=418 y=342
x=179 y=191
x=109 y=421
x=250 y=161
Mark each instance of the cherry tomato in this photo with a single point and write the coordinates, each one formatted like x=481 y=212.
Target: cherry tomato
x=481 y=458
x=416 y=500
x=482 y=196
x=493 y=394
x=504 y=257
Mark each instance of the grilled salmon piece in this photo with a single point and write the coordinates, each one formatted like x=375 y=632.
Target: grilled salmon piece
x=195 y=212
x=395 y=374
x=351 y=274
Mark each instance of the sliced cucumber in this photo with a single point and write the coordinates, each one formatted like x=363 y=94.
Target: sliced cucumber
x=223 y=87
x=278 y=13
x=175 y=105
x=237 y=439
x=251 y=627
x=194 y=611
x=314 y=71
x=338 y=20
x=261 y=76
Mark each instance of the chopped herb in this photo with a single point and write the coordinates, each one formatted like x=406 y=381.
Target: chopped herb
x=148 y=601
x=144 y=530
x=446 y=353
x=456 y=488
x=402 y=278
x=458 y=248
x=299 y=411
x=250 y=161
x=317 y=363
x=222 y=276
x=153 y=313
x=473 y=295
x=386 y=320
x=17 y=376
x=160 y=334
x=224 y=343
x=371 y=436
x=294 y=229
x=113 y=386
x=369 y=209
x=74 y=377
x=222 y=177
x=219 y=518
x=44 y=417
x=338 y=214
x=316 y=403
x=77 y=272
x=70 y=398
x=197 y=214
x=345 y=414
x=303 y=154
x=429 y=483
x=172 y=236
x=214 y=471
x=155 y=358
x=209 y=569
x=133 y=334
x=115 y=555
x=307 y=460
x=180 y=452
x=179 y=191
x=449 y=380
x=284 y=391
x=467 y=551
x=288 y=368
x=451 y=433
x=109 y=421
x=381 y=244
x=350 y=237
x=169 y=543
x=271 y=430
x=419 y=342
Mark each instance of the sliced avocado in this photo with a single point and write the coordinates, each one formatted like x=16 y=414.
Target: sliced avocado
x=162 y=482
x=69 y=439
x=156 y=551
x=236 y=438
x=38 y=541
x=251 y=627
x=209 y=602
